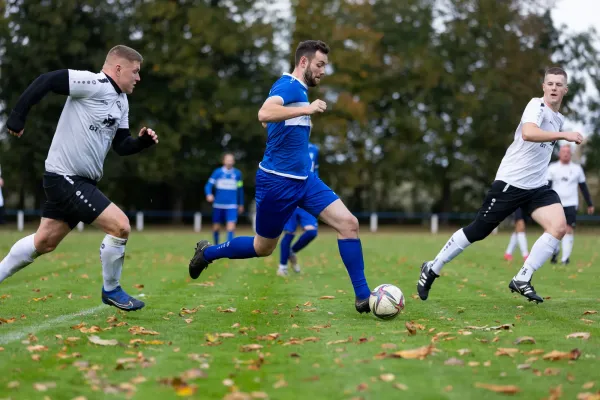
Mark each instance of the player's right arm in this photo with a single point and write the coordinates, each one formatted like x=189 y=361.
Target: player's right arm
x=64 y=81
x=209 y=186
x=532 y=120
x=273 y=110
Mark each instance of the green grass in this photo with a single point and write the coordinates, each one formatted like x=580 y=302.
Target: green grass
x=472 y=291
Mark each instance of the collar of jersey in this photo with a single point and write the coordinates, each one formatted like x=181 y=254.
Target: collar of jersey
x=302 y=83
x=113 y=83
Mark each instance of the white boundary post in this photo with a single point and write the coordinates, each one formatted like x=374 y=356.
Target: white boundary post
x=434 y=223
x=197 y=222
x=139 y=221
x=20 y=220
x=80 y=226
x=374 y=222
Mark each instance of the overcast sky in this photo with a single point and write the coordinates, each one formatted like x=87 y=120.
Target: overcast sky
x=578 y=15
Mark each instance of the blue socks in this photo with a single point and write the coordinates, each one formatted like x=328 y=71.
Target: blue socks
x=352 y=256
x=229 y=235
x=216 y=237
x=304 y=240
x=240 y=247
x=286 y=242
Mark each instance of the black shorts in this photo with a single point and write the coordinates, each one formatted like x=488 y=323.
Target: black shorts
x=72 y=199
x=503 y=199
x=571 y=215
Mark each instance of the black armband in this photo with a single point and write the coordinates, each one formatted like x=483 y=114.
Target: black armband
x=124 y=145
x=55 y=81
x=586 y=193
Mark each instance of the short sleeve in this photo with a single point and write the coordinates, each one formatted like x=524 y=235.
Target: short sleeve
x=287 y=91
x=83 y=84
x=581 y=175
x=534 y=112
x=124 y=124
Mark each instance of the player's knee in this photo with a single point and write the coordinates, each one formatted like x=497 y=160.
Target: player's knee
x=349 y=226
x=558 y=229
x=478 y=230
x=122 y=229
x=264 y=249
x=44 y=243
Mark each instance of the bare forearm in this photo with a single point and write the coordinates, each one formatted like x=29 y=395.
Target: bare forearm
x=277 y=113
x=537 y=135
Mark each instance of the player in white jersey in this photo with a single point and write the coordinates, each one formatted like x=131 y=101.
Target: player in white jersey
x=95 y=116
x=520 y=182
x=518 y=236
x=564 y=177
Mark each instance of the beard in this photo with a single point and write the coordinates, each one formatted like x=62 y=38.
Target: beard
x=309 y=78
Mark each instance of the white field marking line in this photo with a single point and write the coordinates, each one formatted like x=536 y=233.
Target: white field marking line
x=21 y=333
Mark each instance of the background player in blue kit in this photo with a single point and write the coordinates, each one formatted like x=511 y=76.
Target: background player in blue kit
x=299 y=218
x=284 y=180
x=228 y=200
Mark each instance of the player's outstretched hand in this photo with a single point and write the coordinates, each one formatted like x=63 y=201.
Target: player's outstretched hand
x=210 y=198
x=317 y=106
x=17 y=134
x=574 y=137
x=150 y=133
x=590 y=210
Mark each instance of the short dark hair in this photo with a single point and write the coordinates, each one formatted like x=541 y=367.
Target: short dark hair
x=126 y=52
x=308 y=48
x=555 y=71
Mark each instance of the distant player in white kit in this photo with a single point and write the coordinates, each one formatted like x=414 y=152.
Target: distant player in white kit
x=520 y=182
x=95 y=116
x=565 y=176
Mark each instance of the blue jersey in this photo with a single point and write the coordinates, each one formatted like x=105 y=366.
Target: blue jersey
x=229 y=188
x=287 y=141
x=313 y=154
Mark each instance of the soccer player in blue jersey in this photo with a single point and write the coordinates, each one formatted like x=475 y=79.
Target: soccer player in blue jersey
x=284 y=180
x=228 y=200
x=299 y=218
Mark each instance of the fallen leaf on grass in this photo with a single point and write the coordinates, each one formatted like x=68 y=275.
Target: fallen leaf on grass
x=588 y=385
x=534 y=352
x=551 y=371
x=410 y=327
x=555 y=393
x=579 y=335
x=140 y=330
x=505 y=389
x=506 y=352
x=523 y=366
x=362 y=387
x=473 y=363
x=340 y=341
x=270 y=336
x=44 y=386
x=1 y=348
x=227 y=310
x=418 y=353
x=279 y=384
x=525 y=339
x=454 y=361
x=7 y=321
x=309 y=309
x=102 y=342
x=590 y=312
x=388 y=346
x=37 y=347
x=35 y=357
x=491 y=328
x=390 y=377
x=295 y=355
x=326 y=297
x=561 y=355
x=138 y=286
x=400 y=386
x=588 y=396
x=462 y=352
x=13 y=385
x=226 y=335
x=142 y=341
x=251 y=347
x=204 y=284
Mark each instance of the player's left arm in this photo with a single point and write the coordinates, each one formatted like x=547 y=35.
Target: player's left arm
x=124 y=144
x=240 y=193
x=585 y=191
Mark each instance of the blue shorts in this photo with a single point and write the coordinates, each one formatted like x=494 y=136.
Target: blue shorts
x=277 y=197
x=224 y=215
x=299 y=218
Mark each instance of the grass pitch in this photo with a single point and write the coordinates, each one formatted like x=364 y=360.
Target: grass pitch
x=241 y=332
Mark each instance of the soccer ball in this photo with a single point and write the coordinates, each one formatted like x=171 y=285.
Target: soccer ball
x=386 y=301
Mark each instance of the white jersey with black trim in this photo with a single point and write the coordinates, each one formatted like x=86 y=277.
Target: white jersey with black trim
x=525 y=164
x=94 y=110
x=565 y=182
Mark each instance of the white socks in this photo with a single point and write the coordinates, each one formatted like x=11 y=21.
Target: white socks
x=523 y=243
x=457 y=243
x=541 y=251
x=567 y=246
x=21 y=255
x=511 y=244
x=112 y=256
